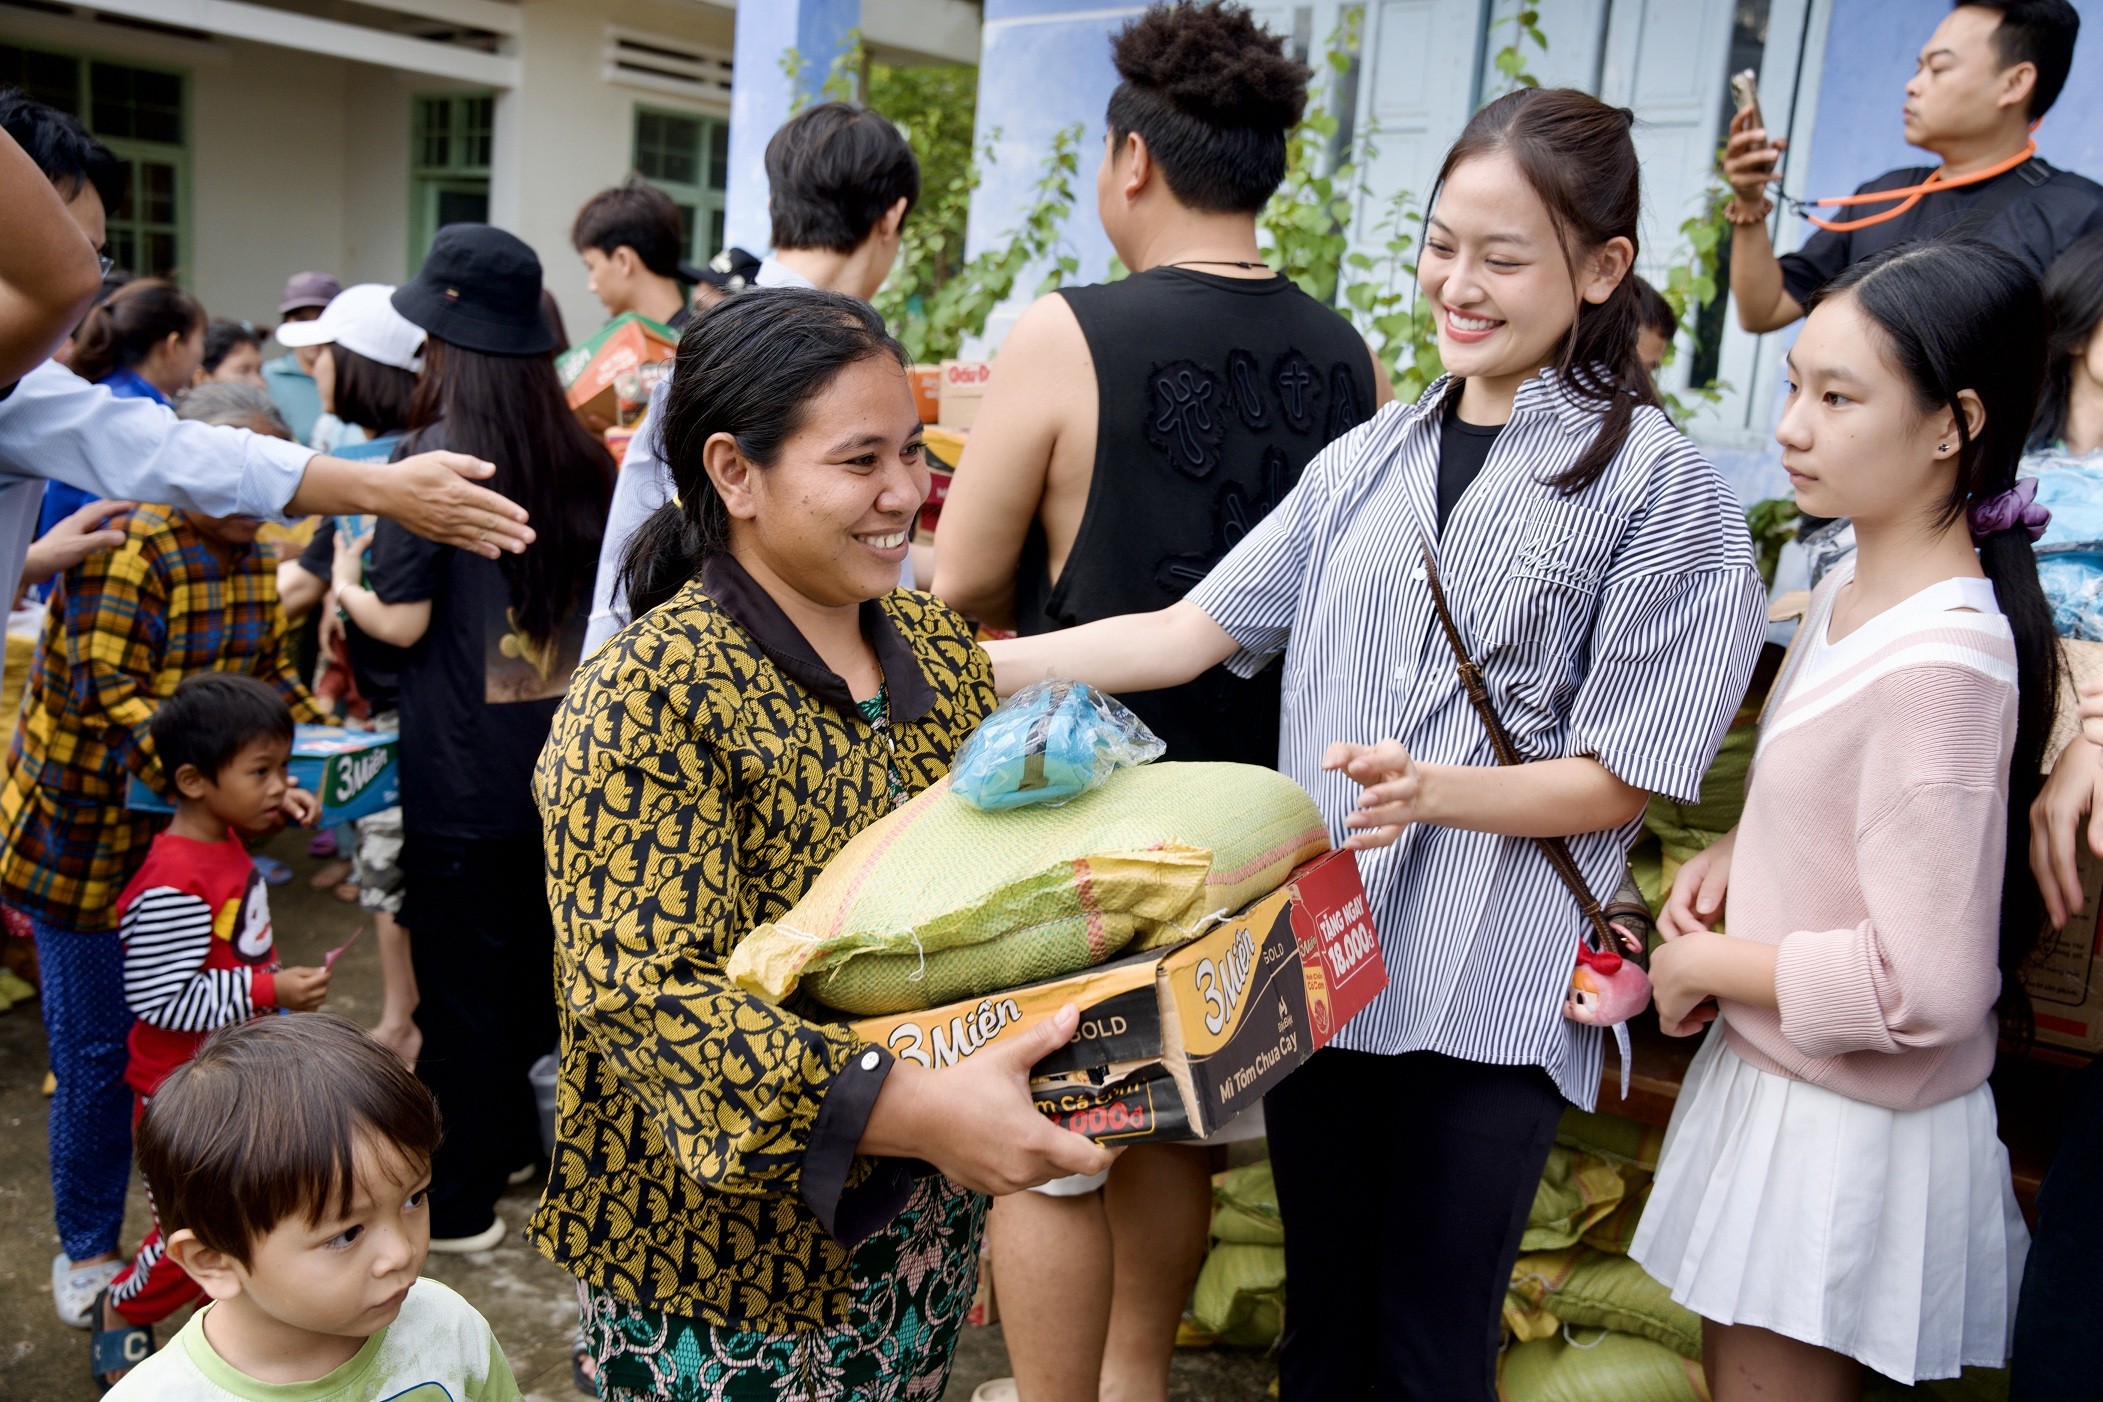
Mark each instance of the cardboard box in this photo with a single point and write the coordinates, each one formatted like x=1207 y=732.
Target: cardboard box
x=944 y=447
x=927 y=391
x=356 y=773
x=609 y=377
x=2064 y=974
x=1178 y=1042
x=963 y=386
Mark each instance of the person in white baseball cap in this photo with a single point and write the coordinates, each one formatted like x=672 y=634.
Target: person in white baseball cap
x=365 y=368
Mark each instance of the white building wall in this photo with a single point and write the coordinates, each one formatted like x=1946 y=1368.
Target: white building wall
x=267 y=166
x=577 y=130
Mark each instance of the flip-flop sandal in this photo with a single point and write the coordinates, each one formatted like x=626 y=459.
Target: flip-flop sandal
x=115 y=1350
x=586 y=1382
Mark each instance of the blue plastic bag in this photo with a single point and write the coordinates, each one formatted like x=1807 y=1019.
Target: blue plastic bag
x=2073 y=583
x=1048 y=743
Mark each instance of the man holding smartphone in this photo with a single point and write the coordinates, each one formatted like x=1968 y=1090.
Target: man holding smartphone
x=1990 y=71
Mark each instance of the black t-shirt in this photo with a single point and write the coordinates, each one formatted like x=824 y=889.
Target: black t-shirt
x=1463 y=449
x=1213 y=394
x=2036 y=224
x=376 y=666
x=477 y=696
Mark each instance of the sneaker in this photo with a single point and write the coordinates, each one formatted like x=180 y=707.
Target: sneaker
x=487 y=1240
x=75 y=1288
x=999 y=1390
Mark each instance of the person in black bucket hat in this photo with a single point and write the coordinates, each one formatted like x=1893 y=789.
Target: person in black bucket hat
x=489 y=654
x=479 y=289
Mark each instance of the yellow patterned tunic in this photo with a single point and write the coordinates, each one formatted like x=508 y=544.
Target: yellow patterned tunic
x=705 y=766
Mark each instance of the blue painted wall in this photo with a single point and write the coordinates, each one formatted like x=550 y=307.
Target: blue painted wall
x=1043 y=64
x=761 y=96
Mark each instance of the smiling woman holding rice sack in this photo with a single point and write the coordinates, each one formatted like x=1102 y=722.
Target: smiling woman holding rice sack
x=733 y=1184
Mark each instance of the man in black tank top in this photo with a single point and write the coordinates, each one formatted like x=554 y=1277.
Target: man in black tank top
x=1131 y=434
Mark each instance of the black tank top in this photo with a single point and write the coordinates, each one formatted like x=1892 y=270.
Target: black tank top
x=1213 y=394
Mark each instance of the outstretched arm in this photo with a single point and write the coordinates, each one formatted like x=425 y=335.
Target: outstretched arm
x=1133 y=652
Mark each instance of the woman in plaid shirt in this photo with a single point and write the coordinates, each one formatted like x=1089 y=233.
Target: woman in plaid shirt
x=185 y=593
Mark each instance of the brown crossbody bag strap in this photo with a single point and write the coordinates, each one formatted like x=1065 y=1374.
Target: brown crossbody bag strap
x=1557 y=850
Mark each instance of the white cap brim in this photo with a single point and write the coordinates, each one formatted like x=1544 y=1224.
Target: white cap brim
x=304 y=333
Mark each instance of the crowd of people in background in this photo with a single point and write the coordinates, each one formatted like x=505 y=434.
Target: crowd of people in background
x=641 y=699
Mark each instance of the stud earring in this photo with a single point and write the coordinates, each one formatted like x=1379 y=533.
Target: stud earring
x=1942 y=447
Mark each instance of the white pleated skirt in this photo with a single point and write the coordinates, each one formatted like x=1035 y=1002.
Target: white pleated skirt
x=1891 y=1236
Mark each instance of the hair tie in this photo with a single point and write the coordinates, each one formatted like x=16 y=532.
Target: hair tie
x=2005 y=511
x=677 y=504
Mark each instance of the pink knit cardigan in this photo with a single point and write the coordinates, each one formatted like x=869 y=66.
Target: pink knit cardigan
x=1871 y=850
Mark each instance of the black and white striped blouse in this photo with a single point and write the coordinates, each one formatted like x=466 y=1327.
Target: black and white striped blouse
x=1621 y=622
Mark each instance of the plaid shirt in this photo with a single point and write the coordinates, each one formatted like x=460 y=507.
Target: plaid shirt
x=125 y=626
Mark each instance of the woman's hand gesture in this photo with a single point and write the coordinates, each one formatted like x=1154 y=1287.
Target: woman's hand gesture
x=1393 y=789
x=976 y=1122
x=1696 y=902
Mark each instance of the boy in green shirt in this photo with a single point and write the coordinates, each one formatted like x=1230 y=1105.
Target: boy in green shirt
x=289 y=1162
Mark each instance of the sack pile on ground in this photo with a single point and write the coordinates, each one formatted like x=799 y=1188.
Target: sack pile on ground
x=939 y=901
x=1585 y=1323
x=1240 y=1294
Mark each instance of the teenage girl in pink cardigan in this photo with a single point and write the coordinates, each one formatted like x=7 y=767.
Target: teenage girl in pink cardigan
x=1833 y=1193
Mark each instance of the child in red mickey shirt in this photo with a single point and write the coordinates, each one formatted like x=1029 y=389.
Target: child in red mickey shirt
x=195 y=923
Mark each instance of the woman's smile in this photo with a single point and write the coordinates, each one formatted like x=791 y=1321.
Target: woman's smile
x=1468 y=330
x=888 y=545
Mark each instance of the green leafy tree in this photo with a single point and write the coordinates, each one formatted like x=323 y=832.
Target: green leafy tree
x=934 y=325
x=934 y=107
x=935 y=297
x=1510 y=60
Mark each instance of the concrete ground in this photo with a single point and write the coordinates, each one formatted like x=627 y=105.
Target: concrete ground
x=529 y=1303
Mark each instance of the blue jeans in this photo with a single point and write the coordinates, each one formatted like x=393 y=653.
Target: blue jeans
x=86 y=1022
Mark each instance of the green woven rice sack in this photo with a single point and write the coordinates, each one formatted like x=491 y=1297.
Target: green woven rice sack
x=1245 y=1206
x=1240 y=1294
x=1598 y=1368
x=1576 y=1191
x=1612 y=1292
x=939 y=900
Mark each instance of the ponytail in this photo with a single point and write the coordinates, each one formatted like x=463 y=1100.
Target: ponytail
x=122 y=329
x=667 y=551
x=748 y=368
x=2011 y=565
x=1961 y=315
x=1577 y=155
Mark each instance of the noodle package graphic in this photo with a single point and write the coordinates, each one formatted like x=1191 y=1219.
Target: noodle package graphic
x=939 y=900
x=1179 y=1042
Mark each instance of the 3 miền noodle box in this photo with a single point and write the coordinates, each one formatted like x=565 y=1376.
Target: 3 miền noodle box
x=1178 y=1042
x=353 y=772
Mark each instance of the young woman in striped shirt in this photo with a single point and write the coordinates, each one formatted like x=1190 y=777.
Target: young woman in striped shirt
x=1601 y=575
x=1833 y=1192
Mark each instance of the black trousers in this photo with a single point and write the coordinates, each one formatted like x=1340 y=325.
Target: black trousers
x=2058 y=1351
x=483 y=945
x=1405 y=1183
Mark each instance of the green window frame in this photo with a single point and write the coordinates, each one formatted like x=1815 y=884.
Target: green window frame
x=450 y=142
x=687 y=155
x=142 y=113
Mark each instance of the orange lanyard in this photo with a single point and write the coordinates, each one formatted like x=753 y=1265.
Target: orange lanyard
x=1908 y=196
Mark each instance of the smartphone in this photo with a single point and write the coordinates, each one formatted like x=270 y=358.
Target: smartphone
x=1745 y=91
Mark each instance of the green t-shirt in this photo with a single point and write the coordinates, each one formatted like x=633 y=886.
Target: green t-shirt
x=439 y=1349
